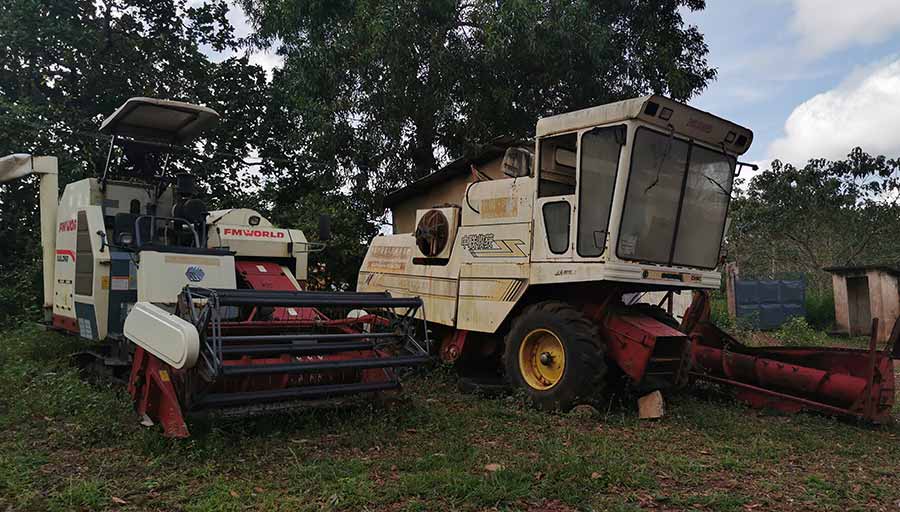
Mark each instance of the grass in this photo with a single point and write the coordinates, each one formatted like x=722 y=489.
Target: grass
x=69 y=445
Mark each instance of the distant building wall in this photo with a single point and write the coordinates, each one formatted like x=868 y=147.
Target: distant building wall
x=451 y=191
x=864 y=293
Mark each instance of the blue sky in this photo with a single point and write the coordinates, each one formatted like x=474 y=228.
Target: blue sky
x=811 y=78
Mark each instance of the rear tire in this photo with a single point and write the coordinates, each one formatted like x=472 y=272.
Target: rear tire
x=555 y=355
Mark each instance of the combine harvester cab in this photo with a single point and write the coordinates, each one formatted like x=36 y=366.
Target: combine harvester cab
x=201 y=311
x=547 y=264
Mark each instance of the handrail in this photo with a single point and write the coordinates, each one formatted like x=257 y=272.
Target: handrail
x=153 y=222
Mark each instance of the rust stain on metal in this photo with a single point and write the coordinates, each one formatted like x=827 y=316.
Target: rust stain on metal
x=388 y=258
x=499 y=207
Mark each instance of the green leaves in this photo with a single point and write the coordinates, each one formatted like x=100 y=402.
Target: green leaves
x=794 y=219
x=67 y=64
x=381 y=93
x=373 y=94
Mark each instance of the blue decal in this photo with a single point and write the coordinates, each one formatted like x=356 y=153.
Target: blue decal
x=195 y=274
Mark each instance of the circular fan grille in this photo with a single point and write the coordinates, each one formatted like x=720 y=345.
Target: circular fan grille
x=432 y=233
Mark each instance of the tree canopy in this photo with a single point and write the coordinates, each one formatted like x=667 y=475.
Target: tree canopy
x=375 y=94
x=802 y=219
x=391 y=88
x=65 y=65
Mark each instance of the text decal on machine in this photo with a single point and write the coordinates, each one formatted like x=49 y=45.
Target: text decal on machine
x=69 y=225
x=257 y=233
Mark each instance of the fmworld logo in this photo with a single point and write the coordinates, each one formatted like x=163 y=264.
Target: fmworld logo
x=195 y=274
x=69 y=225
x=257 y=233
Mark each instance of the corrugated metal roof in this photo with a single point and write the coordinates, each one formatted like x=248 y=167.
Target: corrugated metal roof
x=478 y=155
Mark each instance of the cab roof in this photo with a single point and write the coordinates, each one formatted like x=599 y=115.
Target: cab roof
x=172 y=122
x=657 y=110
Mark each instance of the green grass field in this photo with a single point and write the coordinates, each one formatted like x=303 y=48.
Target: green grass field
x=66 y=444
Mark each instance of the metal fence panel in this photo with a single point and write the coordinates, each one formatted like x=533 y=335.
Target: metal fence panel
x=767 y=304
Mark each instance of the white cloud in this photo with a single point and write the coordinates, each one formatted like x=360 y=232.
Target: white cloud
x=268 y=60
x=825 y=26
x=863 y=111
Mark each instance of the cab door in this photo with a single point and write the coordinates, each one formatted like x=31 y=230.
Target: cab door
x=555 y=202
x=599 y=152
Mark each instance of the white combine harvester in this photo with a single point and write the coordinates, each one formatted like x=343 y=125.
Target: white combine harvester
x=201 y=310
x=528 y=265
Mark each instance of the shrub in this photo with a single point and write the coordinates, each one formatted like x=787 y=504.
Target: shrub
x=797 y=331
x=820 y=309
x=21 y=294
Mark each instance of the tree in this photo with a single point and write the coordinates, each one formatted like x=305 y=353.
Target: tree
x=66 y=64
x=826 y=213
x=390 y=88
x=380 y=93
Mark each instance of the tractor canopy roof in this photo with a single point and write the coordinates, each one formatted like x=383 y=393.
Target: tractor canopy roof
x=659 y=110
x=150 y=119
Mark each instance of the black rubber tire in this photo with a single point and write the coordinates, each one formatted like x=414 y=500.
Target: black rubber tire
x=584 y=376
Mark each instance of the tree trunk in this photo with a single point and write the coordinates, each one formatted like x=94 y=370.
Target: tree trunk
x=423 y=151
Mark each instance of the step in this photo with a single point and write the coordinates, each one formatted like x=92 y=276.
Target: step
x=214 y=400
x=297 y=349
x=325 y=365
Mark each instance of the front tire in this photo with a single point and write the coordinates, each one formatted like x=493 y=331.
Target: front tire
x=555 y=355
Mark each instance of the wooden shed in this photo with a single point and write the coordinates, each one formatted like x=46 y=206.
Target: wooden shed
x=448 y=184
x=862 y=293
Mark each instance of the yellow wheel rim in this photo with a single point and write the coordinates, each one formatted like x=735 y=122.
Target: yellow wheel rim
x=542 y=359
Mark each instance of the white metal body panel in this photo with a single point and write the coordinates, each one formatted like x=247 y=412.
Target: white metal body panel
x=162 y=275
x=78 y=196
x=389 y=266
x=168 y=337
x=232 y=229
x=99 y=297
x=501 y=248
x=684 y=119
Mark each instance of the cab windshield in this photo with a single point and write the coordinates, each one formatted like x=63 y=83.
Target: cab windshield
x=676 y=203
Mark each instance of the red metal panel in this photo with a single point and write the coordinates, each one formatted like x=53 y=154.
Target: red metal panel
x=266 y=275
x=632 y=337
x=150 y=386
x=833 y=380
x=65 y=323
x=452 y=347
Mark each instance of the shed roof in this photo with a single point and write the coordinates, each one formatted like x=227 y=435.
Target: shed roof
x=856 y=269
x=484 y=153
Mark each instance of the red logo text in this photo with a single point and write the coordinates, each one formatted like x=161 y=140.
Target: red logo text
x=256 y=233
x=69 y=225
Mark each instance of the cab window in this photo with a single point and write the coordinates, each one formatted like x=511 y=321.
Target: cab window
x=557 y=169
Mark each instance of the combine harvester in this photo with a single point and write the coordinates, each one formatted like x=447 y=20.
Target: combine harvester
x=529 y=263
x=201 y=311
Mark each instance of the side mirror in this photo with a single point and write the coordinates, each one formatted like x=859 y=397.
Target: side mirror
x=324 y=227
x=517 y=162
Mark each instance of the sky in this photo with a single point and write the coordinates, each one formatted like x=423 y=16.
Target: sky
x=811 y=78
